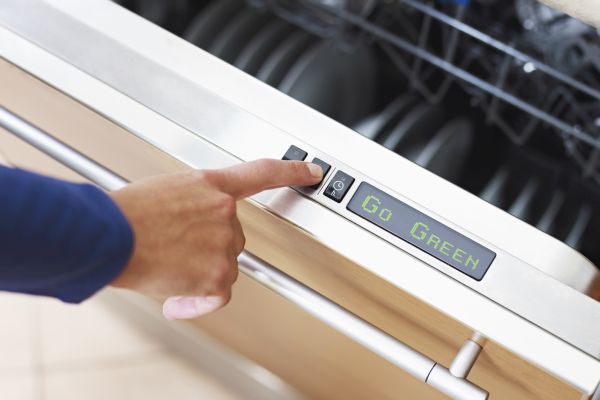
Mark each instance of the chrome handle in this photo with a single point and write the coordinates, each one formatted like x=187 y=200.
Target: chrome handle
x=362 y=332
x=60 y=151
x=340 y=319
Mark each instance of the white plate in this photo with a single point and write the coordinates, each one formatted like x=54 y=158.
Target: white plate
x=548 y=218
x=580 y=224
x=230 y=42
x=418 y=125
x=493 y=192
x=446 y=154
x=375 y=126
x=283 y=57
x=211 y=20
x=412 y=140
x=155 y=11
x=337 y=83
x=261 y=45
x=521 y=206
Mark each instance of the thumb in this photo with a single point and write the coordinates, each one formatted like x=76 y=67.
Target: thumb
x=181 y=307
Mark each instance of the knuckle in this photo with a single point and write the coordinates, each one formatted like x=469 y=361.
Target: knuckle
x=300 y=168
x=297 y=168
x=220 y=276
x=200 y=175
x=226 y=206
x=206 y=177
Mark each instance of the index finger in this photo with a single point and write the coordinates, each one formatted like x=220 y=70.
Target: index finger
x=249 y=178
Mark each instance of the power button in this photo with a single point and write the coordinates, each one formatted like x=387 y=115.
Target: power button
x=339 y=186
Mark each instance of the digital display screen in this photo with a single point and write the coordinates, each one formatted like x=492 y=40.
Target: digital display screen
x=424 y=232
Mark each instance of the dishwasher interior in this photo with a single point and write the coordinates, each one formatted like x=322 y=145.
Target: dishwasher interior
x=500 y=98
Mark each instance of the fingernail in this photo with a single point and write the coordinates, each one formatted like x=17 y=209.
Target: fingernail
x=315 y=170
x=179 y=307
x=189 y=307
x=207 y=304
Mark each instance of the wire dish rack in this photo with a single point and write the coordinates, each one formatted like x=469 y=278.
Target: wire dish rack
x=542 y=76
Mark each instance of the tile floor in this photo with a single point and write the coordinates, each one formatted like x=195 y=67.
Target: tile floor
x=53 y=351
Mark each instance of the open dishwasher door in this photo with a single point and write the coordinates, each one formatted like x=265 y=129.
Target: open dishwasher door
x=403 y=259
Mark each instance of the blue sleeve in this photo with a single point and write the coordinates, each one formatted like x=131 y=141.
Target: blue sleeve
x=59 y=239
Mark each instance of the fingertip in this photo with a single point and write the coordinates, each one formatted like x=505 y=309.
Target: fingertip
x=315 y=171
x=190 y=307
x=169 y=308
x=246 y=179
x=208 y=304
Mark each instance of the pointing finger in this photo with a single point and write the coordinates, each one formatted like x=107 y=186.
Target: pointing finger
x=249 y=178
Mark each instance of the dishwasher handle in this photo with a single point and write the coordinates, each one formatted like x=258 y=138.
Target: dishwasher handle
x=333 y=315
x=360 y=331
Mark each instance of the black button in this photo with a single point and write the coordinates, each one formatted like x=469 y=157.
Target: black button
x=338 y=186
x=324 y=166
x=294 y=153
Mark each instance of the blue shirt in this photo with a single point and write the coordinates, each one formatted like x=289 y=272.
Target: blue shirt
x=59 y=239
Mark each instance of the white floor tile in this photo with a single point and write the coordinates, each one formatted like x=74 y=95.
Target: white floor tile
x=89 y=352
x=89 y=331
x=17 y=331
x=17 y=387
x=163 y=377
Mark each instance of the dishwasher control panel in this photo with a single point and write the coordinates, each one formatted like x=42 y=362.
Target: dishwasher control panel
x=399 y=219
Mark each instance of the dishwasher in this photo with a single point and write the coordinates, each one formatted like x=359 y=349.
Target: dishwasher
x=451 y=250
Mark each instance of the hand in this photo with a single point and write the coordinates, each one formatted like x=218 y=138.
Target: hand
x=187 y=234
